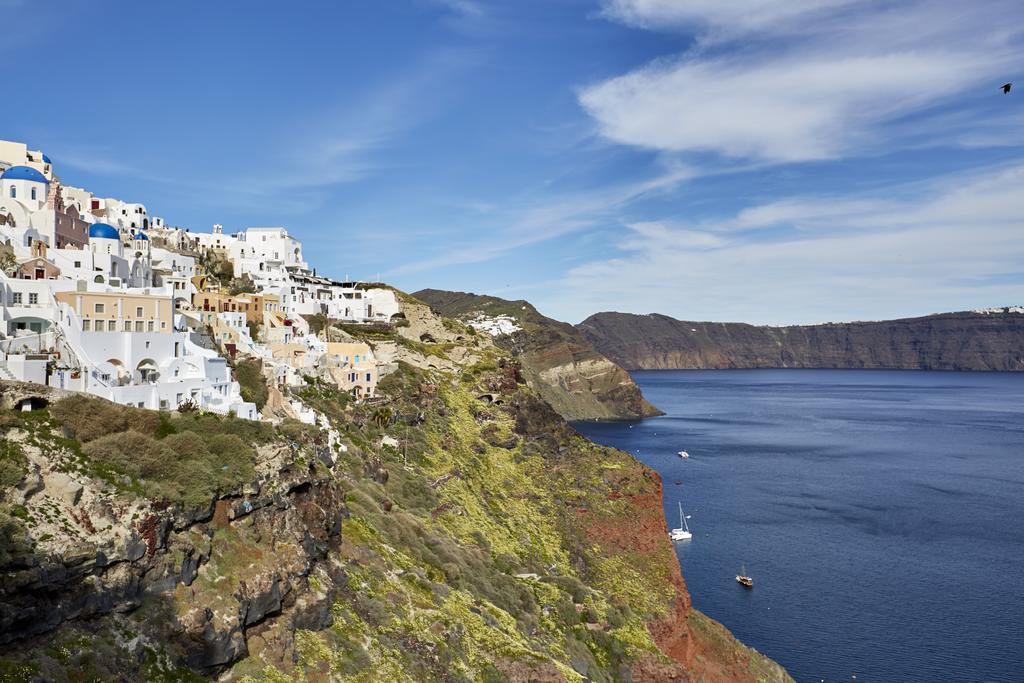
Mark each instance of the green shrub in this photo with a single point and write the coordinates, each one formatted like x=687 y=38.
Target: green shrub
x=209 y=424
x=13 y=542
x=135 y=454
x=299 y=432
x=317 y=322
x=13 y=463
x=166 y=427
x=249 y=374
x=186 y=467
x=86 y=418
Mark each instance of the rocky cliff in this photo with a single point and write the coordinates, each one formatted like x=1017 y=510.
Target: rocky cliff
x=558 y=362
x=454 y=529
x=950 y=341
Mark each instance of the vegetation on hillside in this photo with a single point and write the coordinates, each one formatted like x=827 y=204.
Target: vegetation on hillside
x=249 y=375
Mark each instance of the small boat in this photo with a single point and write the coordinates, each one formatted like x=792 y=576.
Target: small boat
x=743 y=579
x=683 y=532
x=683 y=454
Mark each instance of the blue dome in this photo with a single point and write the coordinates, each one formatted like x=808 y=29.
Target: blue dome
x=47 y=160
x=24 y=173
x=103 y=231
x=141 y=236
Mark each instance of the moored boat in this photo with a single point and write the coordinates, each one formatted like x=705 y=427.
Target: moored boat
x=683 y=532
x=743 y=579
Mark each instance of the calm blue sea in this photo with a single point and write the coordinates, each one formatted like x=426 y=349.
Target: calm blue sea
x=880 y=513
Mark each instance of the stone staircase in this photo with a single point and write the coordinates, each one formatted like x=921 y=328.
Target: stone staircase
x=5 y=372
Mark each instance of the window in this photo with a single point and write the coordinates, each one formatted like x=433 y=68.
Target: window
x=163 y=404
x=147 y=343
x=111 y=326
x=150 y=329
x=78 y=264
x=33 y=193
x=85 y=325
x=138 y=311
x=367 y=377
x=16 y=298
x=127 y=325
x=33 y=299
x=99 y=308
x=139 y=326
x=14 y=192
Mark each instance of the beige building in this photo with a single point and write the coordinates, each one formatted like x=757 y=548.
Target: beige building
x=255 y=306
x=353 y=366
x=116 y=312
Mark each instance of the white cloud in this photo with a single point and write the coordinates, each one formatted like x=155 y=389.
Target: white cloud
x=547 y=219
x=955 y=246
x=827 y=92
x=467 y=8
x=732 y=15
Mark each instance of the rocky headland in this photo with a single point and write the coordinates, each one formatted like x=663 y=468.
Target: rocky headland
x=558 y=362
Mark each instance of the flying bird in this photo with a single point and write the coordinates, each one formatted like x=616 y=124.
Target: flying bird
x=1006 y=88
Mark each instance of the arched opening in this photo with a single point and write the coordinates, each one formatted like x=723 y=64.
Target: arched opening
x=147 y=370
x=98 y=279
x=119 y=374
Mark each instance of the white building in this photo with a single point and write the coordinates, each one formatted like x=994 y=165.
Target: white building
x=18 y=154
x=261 y=250
x=150 y=369
x=27 y=306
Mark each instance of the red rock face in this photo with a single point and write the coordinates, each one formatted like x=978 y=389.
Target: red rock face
x=644 y=534
x=696 y=647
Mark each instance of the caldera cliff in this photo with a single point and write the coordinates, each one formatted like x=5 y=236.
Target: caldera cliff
x=992 y=340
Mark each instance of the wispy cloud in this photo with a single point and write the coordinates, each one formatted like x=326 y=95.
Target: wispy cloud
x=733 y=17
x=94 y=159
x=546 y=219
x=466 y=8
x=845 y=72
x=956 y=242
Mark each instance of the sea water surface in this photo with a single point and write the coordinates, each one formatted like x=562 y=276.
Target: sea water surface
x=880 y=513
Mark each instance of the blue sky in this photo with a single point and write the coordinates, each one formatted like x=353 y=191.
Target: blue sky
x=760 y=161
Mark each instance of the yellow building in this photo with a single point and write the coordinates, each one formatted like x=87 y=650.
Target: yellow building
x=116 y=312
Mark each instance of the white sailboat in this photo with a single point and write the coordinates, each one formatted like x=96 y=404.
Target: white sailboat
x=683 y=532
x=683 y=454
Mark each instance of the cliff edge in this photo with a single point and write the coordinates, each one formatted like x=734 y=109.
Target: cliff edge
x=559 y=363
x=989 y=340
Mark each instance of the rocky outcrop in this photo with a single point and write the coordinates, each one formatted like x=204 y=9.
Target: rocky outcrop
x=949 y=341
x=559 y=363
